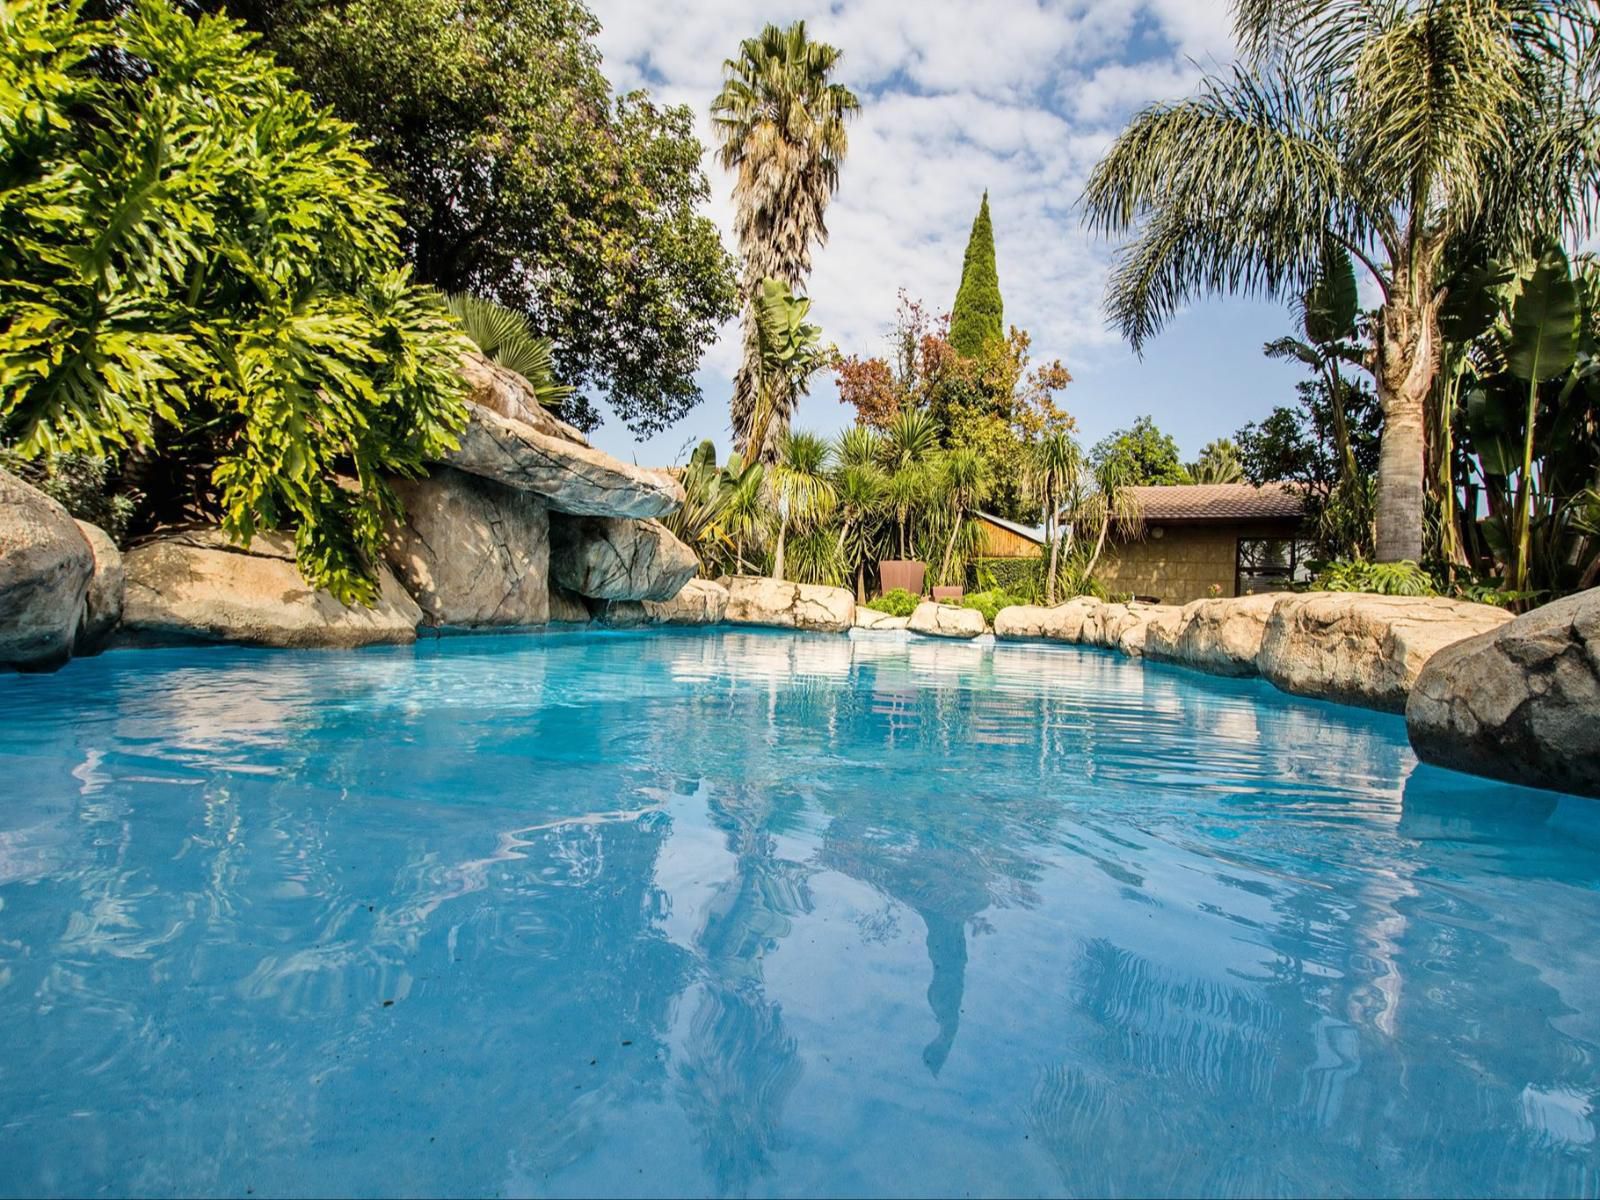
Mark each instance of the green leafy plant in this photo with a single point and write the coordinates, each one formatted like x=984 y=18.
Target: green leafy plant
x=1386 y=579
x=199 y=268
x=506 y=338
x=990 y=602
x=897 y=602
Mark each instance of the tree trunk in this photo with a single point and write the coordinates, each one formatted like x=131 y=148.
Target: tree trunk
x=861 y=582
x=1406 y=358
x=1099 y=542
x=777 y=560
x=1050 y=580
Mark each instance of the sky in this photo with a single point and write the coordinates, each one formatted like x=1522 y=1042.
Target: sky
x=1019 y=97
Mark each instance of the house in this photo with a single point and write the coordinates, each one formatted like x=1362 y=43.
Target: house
x=1199 y=540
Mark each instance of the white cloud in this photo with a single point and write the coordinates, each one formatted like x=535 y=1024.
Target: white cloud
x=1016 y=96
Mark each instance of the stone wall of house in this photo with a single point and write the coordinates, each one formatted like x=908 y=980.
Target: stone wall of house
x=1174 y=564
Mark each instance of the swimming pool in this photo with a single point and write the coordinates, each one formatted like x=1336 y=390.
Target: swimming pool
x=738 y=912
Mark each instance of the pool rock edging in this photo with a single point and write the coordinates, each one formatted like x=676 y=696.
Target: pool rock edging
x=1350 y=647
x=1520 y=702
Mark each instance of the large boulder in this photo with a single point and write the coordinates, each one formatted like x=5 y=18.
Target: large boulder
x=103 y=603
x=199 y=586
x=698 y=602
x=871 y=618
x=608 y=559
x=503 y=391
x=1363 y=649
x=753 y=600
x=1060 y=623
x=1221 y=636
x=1122 y=626
x=45 y=569
x=471 y=552
x=946 y=620
x=572 y=477
x=1521 y=702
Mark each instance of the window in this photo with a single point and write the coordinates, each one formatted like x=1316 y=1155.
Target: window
x=1270 y=565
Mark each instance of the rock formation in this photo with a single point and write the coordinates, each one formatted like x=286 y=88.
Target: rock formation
x=472 y=553
x=198 y=586
x=1520 y=702
x=45 y=569
x=569 y=476
x=946 y=620
x=611 y=559
x=1363 y=649
x=753 y=600
x=103 y=603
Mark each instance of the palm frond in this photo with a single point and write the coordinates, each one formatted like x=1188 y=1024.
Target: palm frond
x=506 y=337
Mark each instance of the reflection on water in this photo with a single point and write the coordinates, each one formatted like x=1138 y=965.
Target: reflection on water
x=758 y=914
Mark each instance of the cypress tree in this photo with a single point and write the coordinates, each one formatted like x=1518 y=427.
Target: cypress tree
x=978 y=314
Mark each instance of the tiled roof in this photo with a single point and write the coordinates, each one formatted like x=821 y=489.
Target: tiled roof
x=1220 y=502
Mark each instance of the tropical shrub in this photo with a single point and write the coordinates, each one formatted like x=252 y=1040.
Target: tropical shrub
x=990 y=602
x=1386 y=579
x=897 y=602
x=507 y=339
x=1016 y=576
x=201 y=276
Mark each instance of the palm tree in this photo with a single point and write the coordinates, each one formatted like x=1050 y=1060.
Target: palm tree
x=1111 y=503
x=744 y=515
x=802 y=492
x=781 y=125
x=1218 y=463
x=1329 y=310
x=861 y=488
x=1402 y=130
x=1054 y=465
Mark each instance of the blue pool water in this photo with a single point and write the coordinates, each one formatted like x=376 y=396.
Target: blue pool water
x=744 y=913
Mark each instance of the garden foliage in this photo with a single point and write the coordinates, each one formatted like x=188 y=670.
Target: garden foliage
x=201 y=274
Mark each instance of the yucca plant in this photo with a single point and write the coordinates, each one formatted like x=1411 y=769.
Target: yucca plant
x=802 y=492
x=507 y=339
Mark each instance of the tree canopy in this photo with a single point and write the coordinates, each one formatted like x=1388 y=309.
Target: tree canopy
x=523 y=178
x=1140 y=456
x=1407 y=133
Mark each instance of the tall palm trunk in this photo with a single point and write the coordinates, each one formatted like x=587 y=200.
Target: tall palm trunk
x=1405 y=361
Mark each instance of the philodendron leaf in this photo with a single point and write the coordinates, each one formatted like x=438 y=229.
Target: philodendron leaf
x=1543 y=338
